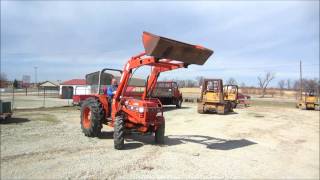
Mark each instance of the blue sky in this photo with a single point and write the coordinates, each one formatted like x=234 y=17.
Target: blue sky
x=68 y=39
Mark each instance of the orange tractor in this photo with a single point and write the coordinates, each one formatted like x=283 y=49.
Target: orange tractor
x=138 y=112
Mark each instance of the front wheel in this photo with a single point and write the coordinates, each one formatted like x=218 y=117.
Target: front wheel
x=159 y=134
x=118 y=135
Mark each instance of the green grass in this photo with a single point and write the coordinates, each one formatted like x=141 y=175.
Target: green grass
x=258 y=102
x=48 y=109
x=45 y=117
x=36 y=116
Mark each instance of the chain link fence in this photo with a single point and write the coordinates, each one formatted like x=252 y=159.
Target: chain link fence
x=33 y=98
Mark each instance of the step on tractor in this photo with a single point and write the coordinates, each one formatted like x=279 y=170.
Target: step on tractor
x=212 y=98
x=309 y=101
x=129 y=111
x=168 y=93
x=230 y=93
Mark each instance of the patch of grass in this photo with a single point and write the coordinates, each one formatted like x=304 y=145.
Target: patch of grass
x=45 y=117
x=255 y=114
x=48 y=109
x=38 y=117
x=273 y=103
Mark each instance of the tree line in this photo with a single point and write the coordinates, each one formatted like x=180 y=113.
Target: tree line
x=263 y=83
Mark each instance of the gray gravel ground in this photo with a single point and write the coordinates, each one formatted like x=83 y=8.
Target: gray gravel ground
x=256 y=142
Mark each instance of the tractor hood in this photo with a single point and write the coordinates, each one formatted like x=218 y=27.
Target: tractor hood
x=165 y=48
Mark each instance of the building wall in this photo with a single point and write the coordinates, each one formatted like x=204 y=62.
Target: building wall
x=81 y=90
x=77 y=89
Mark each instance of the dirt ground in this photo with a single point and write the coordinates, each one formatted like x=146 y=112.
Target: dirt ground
x=262 y=141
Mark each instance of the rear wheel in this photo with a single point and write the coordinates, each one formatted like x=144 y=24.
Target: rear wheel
x=92 y=115
x=159 y=134
x=179 y=103
x=118 y=135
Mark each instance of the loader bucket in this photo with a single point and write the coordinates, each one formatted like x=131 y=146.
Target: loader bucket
x=164 y=48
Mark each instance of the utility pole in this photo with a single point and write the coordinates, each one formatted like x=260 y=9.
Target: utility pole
x=35 y=74
x=35 y=78
x=300 y=80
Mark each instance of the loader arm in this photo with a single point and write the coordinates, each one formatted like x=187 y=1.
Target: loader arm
x=156 y=70
x=136 y=62
x=163 y=54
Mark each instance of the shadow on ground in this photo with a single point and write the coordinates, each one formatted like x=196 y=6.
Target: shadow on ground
x=106 y=135
x=210 y=142
x=229 y=113
x=172 y=108
x=128 y=146
x=14 y=120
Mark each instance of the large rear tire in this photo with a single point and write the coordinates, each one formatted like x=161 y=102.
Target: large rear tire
x=118 y=135
x=159 y=134
x=92 y=115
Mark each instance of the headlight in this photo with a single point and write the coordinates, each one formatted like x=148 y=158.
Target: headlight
x=159 y=114
x=141 y=109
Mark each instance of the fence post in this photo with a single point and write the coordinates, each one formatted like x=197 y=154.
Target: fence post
x=12 y=105
x=44 y=96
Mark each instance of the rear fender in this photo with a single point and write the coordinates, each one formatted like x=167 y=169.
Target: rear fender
x=104 y=101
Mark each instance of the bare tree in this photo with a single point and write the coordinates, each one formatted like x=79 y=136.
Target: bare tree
x=308 y=85
x=232 y=81
x=281 y=85
x=264 y=82
x=181 y=83
x=190 y=83
x=199 y=80
x=288 y=83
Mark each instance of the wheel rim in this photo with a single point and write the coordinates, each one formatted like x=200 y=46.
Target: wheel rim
x=86 y=118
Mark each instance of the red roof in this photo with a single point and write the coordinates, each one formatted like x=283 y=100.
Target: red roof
x=74 y=82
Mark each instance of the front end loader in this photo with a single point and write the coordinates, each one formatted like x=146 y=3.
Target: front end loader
x=139 y=112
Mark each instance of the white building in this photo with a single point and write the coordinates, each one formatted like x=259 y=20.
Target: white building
x=73 y=87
